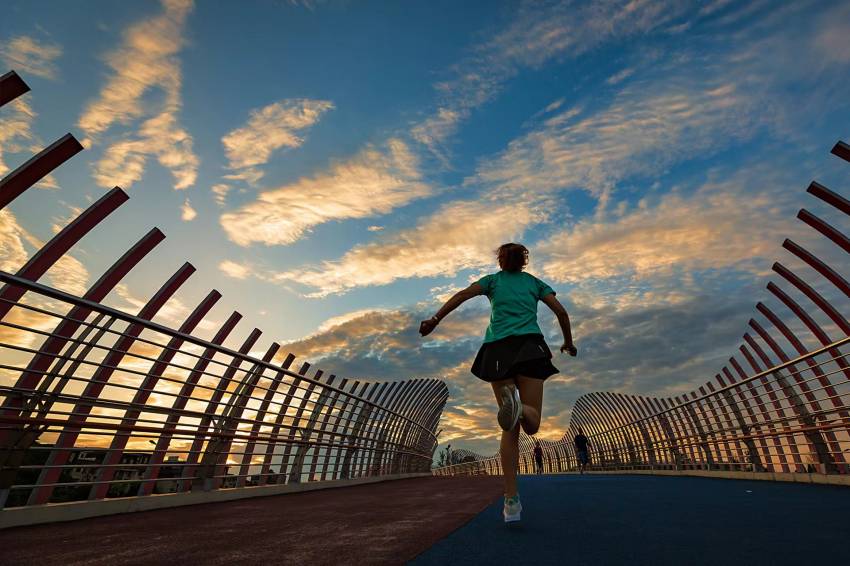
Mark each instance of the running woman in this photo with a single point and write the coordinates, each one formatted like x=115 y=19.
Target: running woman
x=514 y=358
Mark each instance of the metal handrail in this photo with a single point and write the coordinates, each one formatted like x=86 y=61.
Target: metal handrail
x=782 y=424
x=56 y=294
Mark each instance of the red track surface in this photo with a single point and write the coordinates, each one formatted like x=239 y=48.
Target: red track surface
x=385 y=523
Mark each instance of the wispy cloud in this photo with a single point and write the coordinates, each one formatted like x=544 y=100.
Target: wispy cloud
x=17 y=136
x=711 y=229
x=642 y=132
x=278 y=125
x=123 y=163
x=620 y=76
x=13 y=254
x=187 y=213
x=28 y=56
x=539 y=32
x=67 y=274
x=146 y=61
x=234 y=269
x=15 y=130
x=833 y=38
x=375 y=181
x=461 y=235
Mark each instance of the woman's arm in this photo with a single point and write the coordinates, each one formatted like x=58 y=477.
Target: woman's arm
x=563 y=320
x=428 y=326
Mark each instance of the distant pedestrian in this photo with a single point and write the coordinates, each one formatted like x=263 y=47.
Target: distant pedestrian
x=538 y=457
x=582 y=444
x=514 y=358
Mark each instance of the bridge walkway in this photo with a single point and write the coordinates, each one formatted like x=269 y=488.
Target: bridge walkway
x=652 y=520
x=568 y=519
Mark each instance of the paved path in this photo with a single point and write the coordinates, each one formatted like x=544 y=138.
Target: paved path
x=382 y=523
x=609 y=520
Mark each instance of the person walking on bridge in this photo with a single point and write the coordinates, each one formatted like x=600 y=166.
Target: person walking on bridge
x=514 y=357
x=538 y=457
x=581 y=442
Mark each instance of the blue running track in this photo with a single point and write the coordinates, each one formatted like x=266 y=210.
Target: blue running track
x=623 y=519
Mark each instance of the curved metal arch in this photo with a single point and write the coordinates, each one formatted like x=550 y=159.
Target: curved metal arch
x=813 y=436
x=131 y=415
x=38 y=167
x=180 y=401
x=59 y=456
x=59 y=337
x=11 y=87
x=50 y=252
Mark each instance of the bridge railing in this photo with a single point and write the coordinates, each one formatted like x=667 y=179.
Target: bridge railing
x=782 y=405
x=98 y=403
x=792 y=417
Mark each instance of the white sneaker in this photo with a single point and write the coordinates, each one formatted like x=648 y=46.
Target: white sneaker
x=511 y=408
x=512 y=509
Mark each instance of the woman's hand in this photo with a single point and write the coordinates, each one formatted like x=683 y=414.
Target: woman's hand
x=569 y=347
x=426 y=327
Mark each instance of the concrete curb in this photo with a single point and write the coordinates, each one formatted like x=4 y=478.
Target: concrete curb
x=821 y=479
x=57 y=512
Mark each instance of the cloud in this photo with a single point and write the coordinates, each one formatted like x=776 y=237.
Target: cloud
x=709 y=230
x=234 y=270
x=13 y=253
x=146 y=61
x=620 y=76
x=645 y=129
x=187 y=213
x=833 y=38
x=270 y=128
x=373 y=182
x=123 y=163
x=220 y=191
x=461 y=235
x=15 y=130
x=23 y=54
x=67 y=274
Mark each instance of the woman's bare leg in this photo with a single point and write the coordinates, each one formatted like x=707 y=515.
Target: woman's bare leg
x=508 y=448
x=531 y=394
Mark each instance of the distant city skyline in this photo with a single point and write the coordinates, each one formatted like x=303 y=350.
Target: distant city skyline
x=337 y=169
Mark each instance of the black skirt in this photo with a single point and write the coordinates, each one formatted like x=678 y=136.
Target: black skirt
x=526 y=354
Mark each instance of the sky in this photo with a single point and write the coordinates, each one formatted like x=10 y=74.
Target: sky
x=337 y=169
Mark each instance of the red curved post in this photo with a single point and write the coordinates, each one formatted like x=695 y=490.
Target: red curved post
x=830 y=274
x=829 y=197
x=815 y=297
x=59 y=456
x=841 y=150
x=777 y=406
x=215 y=399
x=218 y=449
x=755 y=458
x=11 y=87
x=266 y=471
x=180 y=401
x=48 y=352
x=814 y=437
x=790 y=397
x=119 y=441
x=37 y=167
x=262 y=411
x=59 y=244
x=813 y=326
x=826 y=229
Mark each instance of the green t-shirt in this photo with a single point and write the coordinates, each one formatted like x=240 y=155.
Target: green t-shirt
x=513 y=303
